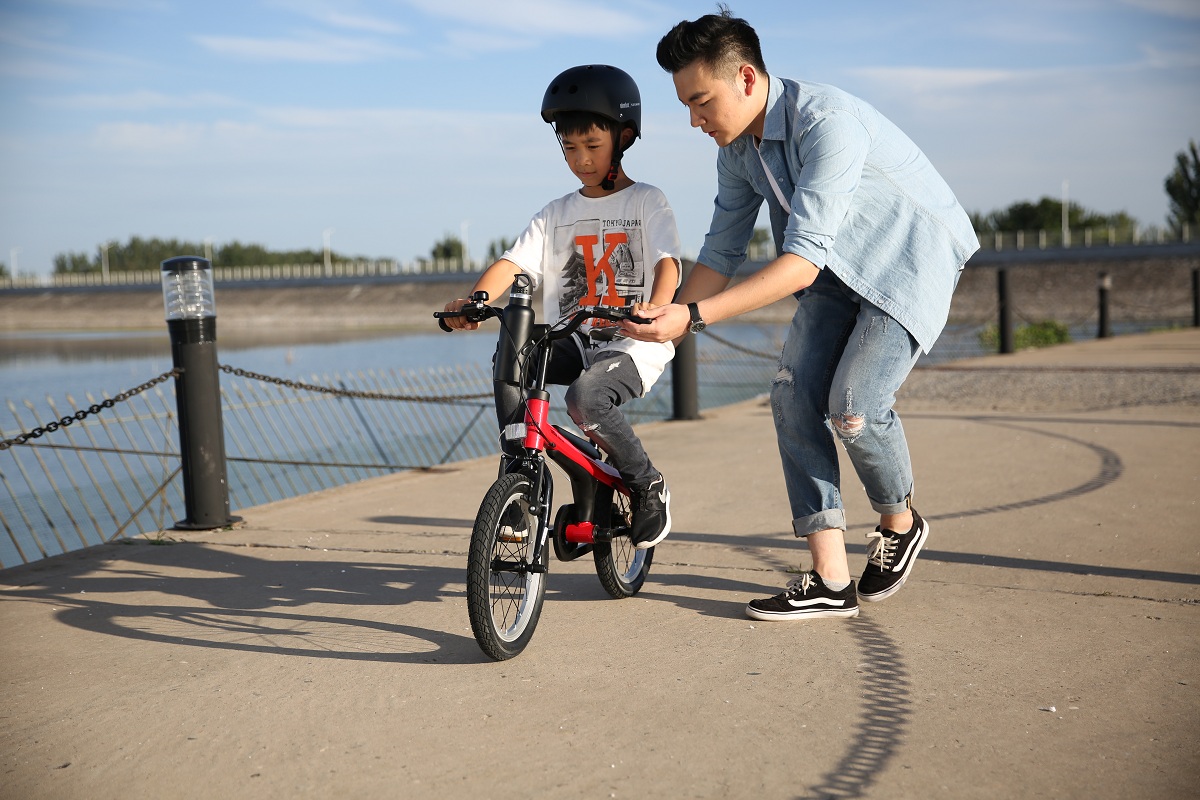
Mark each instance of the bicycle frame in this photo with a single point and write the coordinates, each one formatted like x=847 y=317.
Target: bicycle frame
x=508 y=555
x=515 y=377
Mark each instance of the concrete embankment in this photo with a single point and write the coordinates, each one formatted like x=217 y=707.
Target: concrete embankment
x=1140 y=290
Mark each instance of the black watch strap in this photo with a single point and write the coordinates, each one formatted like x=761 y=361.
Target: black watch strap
x=698 y=323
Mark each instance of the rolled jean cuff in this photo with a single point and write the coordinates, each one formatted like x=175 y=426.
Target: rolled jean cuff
x=821 y=521
x=893 y=508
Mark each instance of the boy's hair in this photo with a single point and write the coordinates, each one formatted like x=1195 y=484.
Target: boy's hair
x=721 y=42
x=574 y=122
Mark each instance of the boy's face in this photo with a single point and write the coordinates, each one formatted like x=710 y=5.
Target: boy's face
x=589 y=155
x=716 y=105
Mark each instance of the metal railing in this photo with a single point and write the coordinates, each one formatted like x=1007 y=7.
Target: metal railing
x=116 y=473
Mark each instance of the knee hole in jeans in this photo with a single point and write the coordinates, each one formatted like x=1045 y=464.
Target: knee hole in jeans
x=848 y=426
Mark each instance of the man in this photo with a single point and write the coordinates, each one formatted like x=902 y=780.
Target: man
x=871 y=241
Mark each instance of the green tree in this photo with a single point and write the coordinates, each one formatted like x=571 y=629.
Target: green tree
x=236 y=254
x=762 y=245
x=497 y=248
x=449 y=248
x=74 y=263
x=1046 y=214
x=1183 y=187
x=3 y=270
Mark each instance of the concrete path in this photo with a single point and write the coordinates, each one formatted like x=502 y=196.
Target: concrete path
x=1045 y=646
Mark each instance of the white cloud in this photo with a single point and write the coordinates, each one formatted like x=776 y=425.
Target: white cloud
x=1185 y=9
x=314 y=48
x=933 y=79
x=141 y=101
x=569 y=17
x=334 y=14
x=479 y=42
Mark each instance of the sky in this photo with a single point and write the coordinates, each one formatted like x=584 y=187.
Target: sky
x=386 y=125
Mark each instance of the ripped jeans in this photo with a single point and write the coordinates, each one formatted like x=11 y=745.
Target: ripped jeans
x=842 y=364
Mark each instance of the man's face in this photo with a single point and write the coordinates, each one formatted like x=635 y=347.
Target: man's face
x=718 y=106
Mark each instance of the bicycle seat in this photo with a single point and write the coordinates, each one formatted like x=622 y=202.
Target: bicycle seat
x=586 y=445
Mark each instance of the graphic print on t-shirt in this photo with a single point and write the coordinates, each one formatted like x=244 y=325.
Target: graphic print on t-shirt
x=600 y=267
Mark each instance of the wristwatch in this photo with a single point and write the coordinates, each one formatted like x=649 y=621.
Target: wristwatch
x=698 y=324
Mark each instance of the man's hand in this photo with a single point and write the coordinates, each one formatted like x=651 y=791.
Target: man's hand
x=459 y=323
x=667 y=323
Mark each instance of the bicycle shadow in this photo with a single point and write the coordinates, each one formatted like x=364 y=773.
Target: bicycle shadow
x=227 y=600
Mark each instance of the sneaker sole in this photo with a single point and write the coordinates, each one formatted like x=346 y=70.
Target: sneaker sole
x=912 y=560
x=783 y=616
x=666 y=528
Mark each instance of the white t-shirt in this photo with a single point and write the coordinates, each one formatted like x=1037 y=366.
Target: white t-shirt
x=588 y=251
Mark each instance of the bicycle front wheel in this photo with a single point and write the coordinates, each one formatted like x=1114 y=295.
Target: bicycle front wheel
x=621 y=567
x=504 y=589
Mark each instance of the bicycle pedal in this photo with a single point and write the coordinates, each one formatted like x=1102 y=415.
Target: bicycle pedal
x=514 y=537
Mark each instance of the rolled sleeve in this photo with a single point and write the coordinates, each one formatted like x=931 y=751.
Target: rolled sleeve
x=832 y=151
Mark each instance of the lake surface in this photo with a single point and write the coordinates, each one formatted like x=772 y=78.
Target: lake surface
x=34 y=366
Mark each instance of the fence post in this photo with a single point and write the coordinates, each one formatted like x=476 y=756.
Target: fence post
x=1006 y=316
x=1196 y=297
x=191 y=319
x=1105 y=284
x=685 y=392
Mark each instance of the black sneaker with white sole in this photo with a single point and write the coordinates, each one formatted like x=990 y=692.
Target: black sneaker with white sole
x=651 y=513
x=806 y=597
x=890 y=557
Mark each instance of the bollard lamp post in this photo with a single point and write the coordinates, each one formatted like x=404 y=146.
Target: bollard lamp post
x=192 y=322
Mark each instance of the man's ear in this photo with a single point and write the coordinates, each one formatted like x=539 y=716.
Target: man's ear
x=626 y=137
x=747 y=78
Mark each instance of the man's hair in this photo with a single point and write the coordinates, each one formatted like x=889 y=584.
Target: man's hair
x=575 y=122
x=721 y=42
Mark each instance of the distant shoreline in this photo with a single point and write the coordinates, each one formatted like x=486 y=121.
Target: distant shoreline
x=281 y=313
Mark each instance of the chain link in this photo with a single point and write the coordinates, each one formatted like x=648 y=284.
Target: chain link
x=83 y=413
x=741 y=348
x=409 y=398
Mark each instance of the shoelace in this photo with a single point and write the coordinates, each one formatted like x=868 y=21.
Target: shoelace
x=799 y=585
x=881 y=551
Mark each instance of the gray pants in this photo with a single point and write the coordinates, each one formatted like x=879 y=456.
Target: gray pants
x=594 y=397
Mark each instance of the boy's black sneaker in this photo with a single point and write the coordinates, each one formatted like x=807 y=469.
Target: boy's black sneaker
x=890 y=558
x=651 y=513
x=806 y=597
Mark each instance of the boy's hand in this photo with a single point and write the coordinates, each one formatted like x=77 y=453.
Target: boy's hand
x=459 y=323
x=640 y=309
x=666 y=323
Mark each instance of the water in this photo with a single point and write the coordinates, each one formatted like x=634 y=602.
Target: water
x=33 y=366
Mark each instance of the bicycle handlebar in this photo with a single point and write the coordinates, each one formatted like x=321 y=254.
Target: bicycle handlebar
x=479 y=310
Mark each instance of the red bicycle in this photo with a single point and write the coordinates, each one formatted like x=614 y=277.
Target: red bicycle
x=513 y=532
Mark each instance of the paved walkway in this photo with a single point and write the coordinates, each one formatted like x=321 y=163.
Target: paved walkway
x=1045 y=646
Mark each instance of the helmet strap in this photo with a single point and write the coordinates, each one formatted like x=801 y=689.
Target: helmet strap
x=610 y=180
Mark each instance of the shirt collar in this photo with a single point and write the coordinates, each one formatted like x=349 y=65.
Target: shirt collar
x=775 y=121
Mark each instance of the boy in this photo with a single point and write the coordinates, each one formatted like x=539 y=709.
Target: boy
x=612 y=242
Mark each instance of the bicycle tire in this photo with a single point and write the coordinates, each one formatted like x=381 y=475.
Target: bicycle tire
x=621 y=567
x=504 y=597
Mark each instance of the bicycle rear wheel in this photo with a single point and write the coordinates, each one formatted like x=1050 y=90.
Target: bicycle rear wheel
x=504 y=589
x=621 y=567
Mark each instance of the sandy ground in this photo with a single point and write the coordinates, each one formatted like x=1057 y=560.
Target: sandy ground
x=1045 y=645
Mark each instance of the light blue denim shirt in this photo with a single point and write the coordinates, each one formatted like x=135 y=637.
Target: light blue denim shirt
x=865 y=202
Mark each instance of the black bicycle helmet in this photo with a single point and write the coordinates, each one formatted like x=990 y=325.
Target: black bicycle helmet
x=599 y=89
